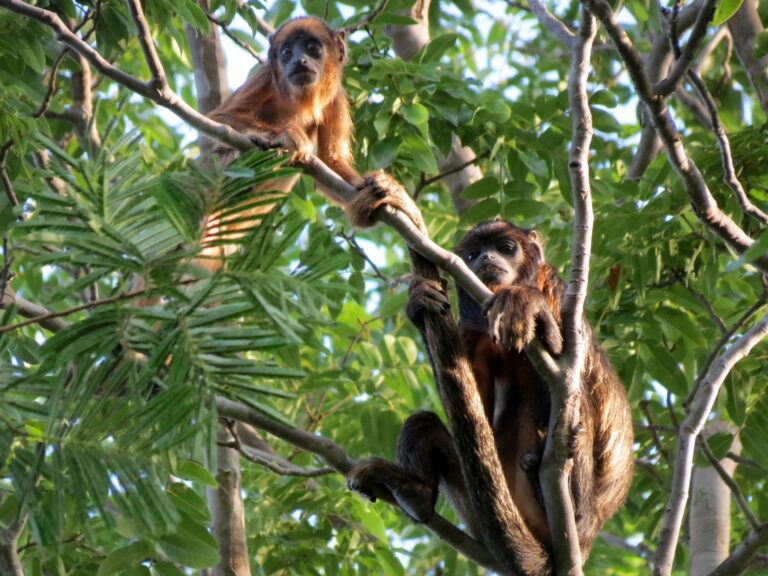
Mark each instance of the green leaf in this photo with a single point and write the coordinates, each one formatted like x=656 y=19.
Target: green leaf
x=189 y=501
x=483 y=188
x=724 y=10
x=122 y=558
x=433 y=51
x=662 y=366
x=189 y=551
x=420 y=152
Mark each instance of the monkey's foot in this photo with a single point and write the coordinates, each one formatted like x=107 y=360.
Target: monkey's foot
x=381 y=189
x=518 y=314
x=427 y=297
x=376 y=478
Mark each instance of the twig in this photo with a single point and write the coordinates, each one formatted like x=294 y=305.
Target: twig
x=368 y=19
x=244 y=45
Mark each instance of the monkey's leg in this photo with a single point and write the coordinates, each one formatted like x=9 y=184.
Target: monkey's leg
x=427 y=461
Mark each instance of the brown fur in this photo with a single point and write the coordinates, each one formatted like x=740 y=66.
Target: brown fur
x=514 y=398
x=304 y=118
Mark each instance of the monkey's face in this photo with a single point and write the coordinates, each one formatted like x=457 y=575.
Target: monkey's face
x=301 y=58
x=501 y=254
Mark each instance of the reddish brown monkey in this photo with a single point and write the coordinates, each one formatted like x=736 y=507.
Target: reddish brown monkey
x=525 y=306
x=296 y=101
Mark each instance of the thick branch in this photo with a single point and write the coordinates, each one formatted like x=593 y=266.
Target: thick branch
x=565 y=391
x=689 y=431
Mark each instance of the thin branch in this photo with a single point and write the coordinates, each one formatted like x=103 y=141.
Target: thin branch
x=336 y=457
x=51 y=85
x=244 y=45
x=689 y=431
x=724 y=339
x=565 y=392
x=654 y=430
x=270 y=461
x=159 y=80
x=685 y=60
x=7 y=184
x=424 y=182
x=368 y=19
x=39 y=315
x=741 y=557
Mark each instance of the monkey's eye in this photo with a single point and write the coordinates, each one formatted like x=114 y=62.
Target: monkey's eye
x=313 y=48
x=286 y=52
x=471 y=254
x=507 y=247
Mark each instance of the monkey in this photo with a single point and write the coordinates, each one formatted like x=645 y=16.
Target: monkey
x=525 y=306
x=297 y=102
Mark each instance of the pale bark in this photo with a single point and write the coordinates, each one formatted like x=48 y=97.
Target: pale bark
x=709 y=521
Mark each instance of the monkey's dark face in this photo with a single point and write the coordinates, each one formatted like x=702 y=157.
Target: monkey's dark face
x=301 y=58
x=501 y=254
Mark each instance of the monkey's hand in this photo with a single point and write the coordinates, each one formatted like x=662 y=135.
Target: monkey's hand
x=290 y=138
x=378 y=478
x=381 y=188
x=426 y=297
x=518 y=314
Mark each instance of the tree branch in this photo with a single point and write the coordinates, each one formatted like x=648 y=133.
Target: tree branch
x=565 y=392
x=704 y=204
x=335 y=456
x=552 y=23
x=689 y=431
x=685 y=59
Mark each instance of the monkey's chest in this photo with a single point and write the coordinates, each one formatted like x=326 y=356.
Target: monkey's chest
x=520 y=395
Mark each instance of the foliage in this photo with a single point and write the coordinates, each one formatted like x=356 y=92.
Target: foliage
x=109 y=423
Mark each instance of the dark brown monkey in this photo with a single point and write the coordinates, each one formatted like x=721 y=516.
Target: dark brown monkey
x=296 y=101
x=525 y=305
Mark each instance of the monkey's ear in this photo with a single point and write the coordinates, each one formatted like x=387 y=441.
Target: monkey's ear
x=533 y=236
x=339 y=37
